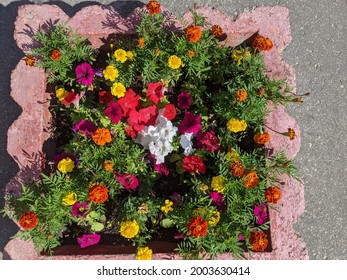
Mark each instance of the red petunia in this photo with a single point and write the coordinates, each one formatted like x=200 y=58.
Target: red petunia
x=193 y=164
x=70 y=98
x=144 y=117
x=208 y=140
x=105 y=97
x=155 y=92
x=170 y=112
x=129 y=102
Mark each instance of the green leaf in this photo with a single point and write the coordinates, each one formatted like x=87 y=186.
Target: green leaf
x=167 y=223
x=96 y=226
x=174 y=158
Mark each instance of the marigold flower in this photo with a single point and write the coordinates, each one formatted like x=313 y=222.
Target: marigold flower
x=130 y=55
x=193 y=33
x=110 y=73
x=141 y=42
x=167 y=207
x=108 y=165
x=30 y=60
x=56 y=55
x=197 y=227
x=237 y=56
x=232 y=155
x=250 y=180
x=298 y=99
x=144 y=253
x=235 y=125
x=241 y=95
x=66 y=165
x=291 y=133
x=61 y=93
x=261 y=138
x=28 y=220
x=120 y=55
x=261 y=91
x=273 y=194
x=203 y=187
x=70 y=199
x=262 y=43
x=191 y=54
x=174 y=62
x=118 y=90
x=237 y=169
x=217 y=31
x=217 y=183
x=98 y=193
x=214 y=218
x=101 y=136
x=157 y=52
x=129 y=229
x=153 y=7
x=259 y=241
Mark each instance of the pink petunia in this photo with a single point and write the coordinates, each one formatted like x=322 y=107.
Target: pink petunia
x=88 y=240
x=190 y=124
x=260 y=211
x=114 y=112
x=84 y=74
x=130 y=182
x=184 y=100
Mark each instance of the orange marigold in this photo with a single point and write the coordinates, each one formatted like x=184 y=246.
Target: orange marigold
x=291 y=133
x=217 y=31
x=261 y=138
x=30 y=60
x=241 y=95
x=98 y=193
x=250 y=179
x=237 y=169
x=193 y=33
x=153 y=7
x=273 y=194
x=262 y=43
x=28 y=220
x=197 y=227
x=141 y=42
x=56 y=55
x=102 y=136
x=108 y=165
x=258 y=240
x=261 y=91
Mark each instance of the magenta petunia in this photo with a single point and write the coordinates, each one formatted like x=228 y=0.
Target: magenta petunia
x=260 y=211
x=84 y=74
x=79 y=209
x=208 y=140
x=130 y=182
x=184 y=100
x=217 y=200
x=176 y=198
x=114 y=112
x=85 y=127
x=88 y=240
x=190 y=123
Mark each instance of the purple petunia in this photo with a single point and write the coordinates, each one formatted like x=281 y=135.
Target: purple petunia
x=184 y=100
x=114 y=112
x=190 y=123
x=84 y=74
x=260 y=211
x=85 y=127
x=79 y=209
x=217 y=200
x=88 y=240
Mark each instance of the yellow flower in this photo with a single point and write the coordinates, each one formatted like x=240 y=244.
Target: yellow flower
x=70 y=199
x=66 y=165
x=217 y=183
x=61 y=93
x=203 y=188
x=235 y=125
x=214 y=217
x=118 y=89
x=144 y=253
x=129 y=229
x=120 y=55
x=174 y=62
x=232 y=155
x=167 y=207
x=110 y=73
x=130 y=55
x=237 y=56
x=142 y=209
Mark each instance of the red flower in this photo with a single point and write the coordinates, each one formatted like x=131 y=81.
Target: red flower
x=170 y=112
x=197 y=227
x=153 y=7
x=208 y=141
x=193 y=33
x=56 y=55
x=259 y=241
x=184 y=100
x=70 y=98
x=144 y=117
x=105 y=97
x=129 y=102
x=131 y=132
x=98 y=194
x=28 y=220
x=114 y=112
x=155 y=92
x=237 y=169
x=193 y=164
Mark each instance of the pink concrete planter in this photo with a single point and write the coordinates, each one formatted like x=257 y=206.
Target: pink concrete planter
x=28 y=132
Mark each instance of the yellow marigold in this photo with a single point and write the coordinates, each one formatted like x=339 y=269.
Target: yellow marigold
x=142 y=209
x=235 y=125
x=129 y=229
x=110 y=73
x=102 y=136
x=108 y=165
x=66 y=165
x=237 y=56
x=144 y=253
x=167 y=207
x=130 y=55
x=61 y=93
x=232 y=155
x=174 y=62
x=203 y=187
x=70 y=199
x=118 y=90
x=217 y=183
x=120 y=55
x=241 y=95
x=214 y=218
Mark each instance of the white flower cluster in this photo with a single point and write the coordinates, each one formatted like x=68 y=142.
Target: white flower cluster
x=158 y=138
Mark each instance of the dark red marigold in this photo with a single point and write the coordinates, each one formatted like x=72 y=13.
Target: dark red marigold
x=28 y=220
x=197 y=227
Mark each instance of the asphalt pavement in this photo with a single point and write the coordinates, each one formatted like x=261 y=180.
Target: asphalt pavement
x=318 y=54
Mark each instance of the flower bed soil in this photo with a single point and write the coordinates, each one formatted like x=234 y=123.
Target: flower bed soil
x=29 y=132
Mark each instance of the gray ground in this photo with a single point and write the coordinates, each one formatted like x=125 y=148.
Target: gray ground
x=318 y=53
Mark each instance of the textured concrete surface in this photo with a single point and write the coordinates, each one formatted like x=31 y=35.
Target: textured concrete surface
x=317 y=52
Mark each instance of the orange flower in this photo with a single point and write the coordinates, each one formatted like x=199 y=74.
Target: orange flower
x=273 y=194
x=261 y=91
x=241 y=95
x=141 y=42
x=237 y=169
x=250 y=180
x=191 y=54
x=102 y=136
x=261 y=138
x=28 y=220
x=157 y=52
x=108 y=165
x=153 y=7
x=217 y=31
x=258 y=240
x=197 y=227
x=56 y=55
x=193 y=33
x=98 y=194
x=291 y=133
x=30 y=60
x=262 y=43
x=299 y=99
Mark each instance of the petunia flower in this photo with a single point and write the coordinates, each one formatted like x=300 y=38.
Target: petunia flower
x=114 y=112
x=129 y=102
x=84 y=74
x=190 y=123
x=79 y=209
x=85 y=127
x=260 y=211
x=187 y=144
x=130 y=182
x=88 y=240
x=184 y=100
x=217 y=200
x=208 y=140
x=72 y=97
x=155 y=92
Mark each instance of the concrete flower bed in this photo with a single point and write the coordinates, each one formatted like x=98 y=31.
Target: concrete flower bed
x=28 y=137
